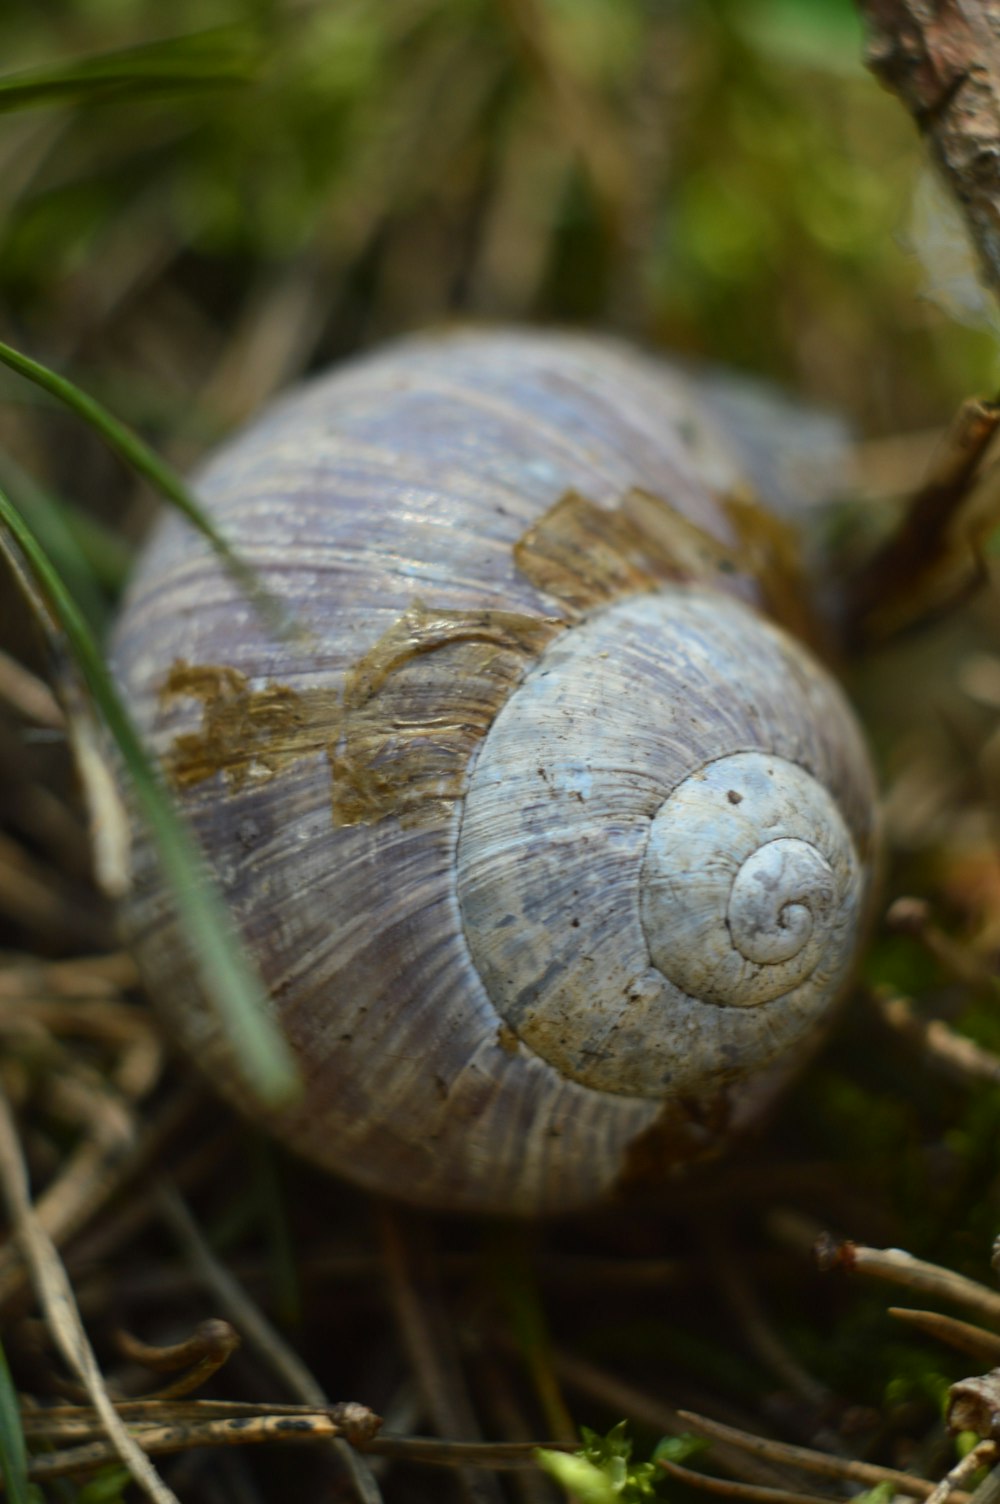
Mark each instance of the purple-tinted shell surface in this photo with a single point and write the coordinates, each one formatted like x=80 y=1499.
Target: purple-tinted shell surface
x=550 y=839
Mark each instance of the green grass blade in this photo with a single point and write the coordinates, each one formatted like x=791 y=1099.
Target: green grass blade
x=204 y=60
x=229 y=981
x=13 y=1453
x=147 y=463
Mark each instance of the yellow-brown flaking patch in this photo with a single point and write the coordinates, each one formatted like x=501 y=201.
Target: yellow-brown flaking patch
x=419 y=701
x=245 y=733
x=399 y=740
x=584 y=555
x=414 y=706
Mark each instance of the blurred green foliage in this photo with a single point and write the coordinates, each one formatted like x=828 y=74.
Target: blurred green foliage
x=721 y=178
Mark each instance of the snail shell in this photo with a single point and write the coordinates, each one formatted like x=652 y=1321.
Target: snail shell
x=554 y=850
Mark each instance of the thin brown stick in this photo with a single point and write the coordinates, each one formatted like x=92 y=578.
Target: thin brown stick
x=174 y=1426
x=916 y=563
x=984 y=1454
x=81 y=976
x=101 y=1241
x=915 y=917
x=496 y=1455
x=244 y=1313
x=504 y=1402
x=428 y=1338
x=160 y=1440
x=359 y=1424
x=752 y=1493
x=757 y=1328
x=627 y=1399
x=39 y=897
x=961 y=1335
x=202 y=1354
x=211 y=1336
x=297 y=1430
x=341 y=1266
x=901 y=1268
x=806 y=1459
x=254 y=1326
x=952 y=1053
x=97 y=1017
x=99 y=1164
x=515 y=1273
x=28 y=695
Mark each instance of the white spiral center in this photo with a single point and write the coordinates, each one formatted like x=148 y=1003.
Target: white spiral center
x=779 y=893
x=750 y=886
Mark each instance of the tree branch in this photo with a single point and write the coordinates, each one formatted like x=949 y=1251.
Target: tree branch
x=942 y=57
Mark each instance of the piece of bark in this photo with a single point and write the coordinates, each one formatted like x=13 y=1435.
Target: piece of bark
x=942 y=57
x=974 y=1405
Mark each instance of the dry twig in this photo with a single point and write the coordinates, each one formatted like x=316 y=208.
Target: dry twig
x=901 y=1268
x=757 y=1329
x=55 y=1296
x=75 y=1444
x=428 y=1337
x=914 y=917
x=932 y=557
x=751 y=1493
x=202 y=1354
x=942 y=1047
x=983 y=1455
x=254 y=1326
x=961 y=1335
x=100 y=1108
x=28 y=695
x=181 y=1432
x=627 y=1399
x=806 y=1459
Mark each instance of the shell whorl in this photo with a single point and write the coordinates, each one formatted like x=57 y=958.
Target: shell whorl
x=751 y=885
x=438 y=827
x=658 y=884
